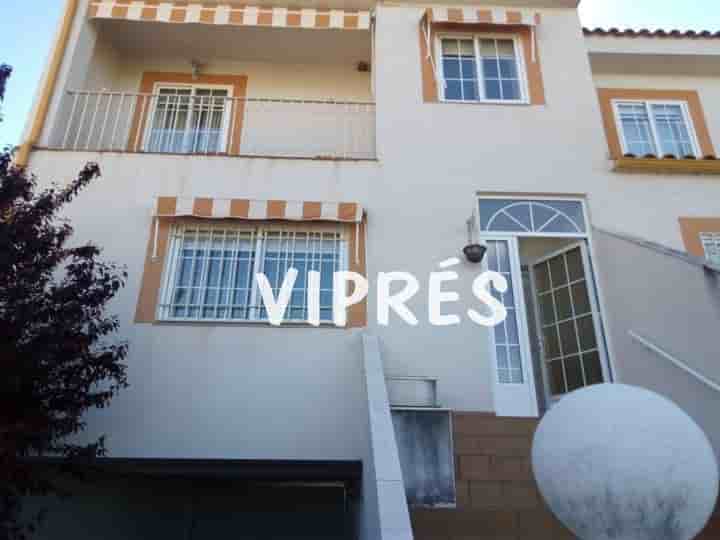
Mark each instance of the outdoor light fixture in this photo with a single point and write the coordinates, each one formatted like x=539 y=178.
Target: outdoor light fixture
x=195 y=66
x=474 y=252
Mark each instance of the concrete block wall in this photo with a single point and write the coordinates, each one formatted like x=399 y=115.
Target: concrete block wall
x=497 y=498
x=712 y=531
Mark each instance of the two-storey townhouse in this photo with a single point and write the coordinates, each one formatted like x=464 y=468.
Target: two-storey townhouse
x=377 y=137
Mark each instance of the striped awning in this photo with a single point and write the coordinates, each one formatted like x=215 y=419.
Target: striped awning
x=261 y=210
x=178 y=12
x=478 y=15
x=475 y=15
x=250 y=209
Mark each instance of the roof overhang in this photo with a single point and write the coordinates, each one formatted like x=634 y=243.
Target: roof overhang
x=537 y=4
x=653 y=54
x=348 y=473
x=367 y=4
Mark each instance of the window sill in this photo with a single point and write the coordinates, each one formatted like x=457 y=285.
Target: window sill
x=248 y=324
x=486 y=102
x=667 y=166
x=216 y=155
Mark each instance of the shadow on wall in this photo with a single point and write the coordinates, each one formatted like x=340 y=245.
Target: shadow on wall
x=672 y=303
x=134 y=506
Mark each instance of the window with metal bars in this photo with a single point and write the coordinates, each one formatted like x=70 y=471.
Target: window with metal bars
x=211 y=270
x=188 y=120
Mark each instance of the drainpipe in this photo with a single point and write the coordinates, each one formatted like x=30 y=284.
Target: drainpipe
x=48 y=85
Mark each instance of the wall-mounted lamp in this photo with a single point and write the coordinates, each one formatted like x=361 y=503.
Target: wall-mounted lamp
x=195 y=69
x=474 y=252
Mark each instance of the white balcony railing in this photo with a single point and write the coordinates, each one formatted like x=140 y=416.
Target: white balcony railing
x=178 y=122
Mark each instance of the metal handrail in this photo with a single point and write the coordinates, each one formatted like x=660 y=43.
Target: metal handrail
x=328 y=101
x=677 y=363
x=663 y=250
x=216 y=124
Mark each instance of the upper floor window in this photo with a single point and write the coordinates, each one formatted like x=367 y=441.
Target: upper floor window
x=711 y=245
x=188 y=119
x=211 y=270
x=656 y=128
x=482 y=68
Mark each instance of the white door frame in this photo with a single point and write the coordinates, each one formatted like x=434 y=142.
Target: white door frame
x=501 y=406
x=595 y=312
x=514 y=399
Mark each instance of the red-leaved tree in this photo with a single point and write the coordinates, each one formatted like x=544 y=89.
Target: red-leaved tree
x=59 y=351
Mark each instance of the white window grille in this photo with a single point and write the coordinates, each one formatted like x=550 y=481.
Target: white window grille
x=507 y=335
x=460 y=69
x=656 y=128
x=569 y=339
x=482 y=69
x=211 y=271
x=711 y=245
x=500 y=70
x=188 y=120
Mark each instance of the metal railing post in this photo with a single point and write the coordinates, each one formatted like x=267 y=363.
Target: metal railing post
x=81 y=123
x=141 y=122
x=121 y=105
x=70 y=119
x=98 y=100
x=105 y=120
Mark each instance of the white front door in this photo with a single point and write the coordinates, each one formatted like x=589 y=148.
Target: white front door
x=514 y=386
x=568 y=322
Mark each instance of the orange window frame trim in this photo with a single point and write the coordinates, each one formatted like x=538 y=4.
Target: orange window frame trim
x=151 y=284
x=690 y=229
x=533 y=68
x=697 y=115
x=150 y=79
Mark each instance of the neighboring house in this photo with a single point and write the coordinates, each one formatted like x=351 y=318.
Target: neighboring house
x=372 y=137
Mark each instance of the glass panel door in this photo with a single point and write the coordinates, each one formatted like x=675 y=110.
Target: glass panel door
x=507 y=339
x=170 y=119
x=568 y=321
x=207 y=121
x=188 y=121
x=514 y=382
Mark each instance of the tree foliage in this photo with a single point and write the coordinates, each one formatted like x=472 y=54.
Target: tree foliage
x=5 y=72
x=59 y=349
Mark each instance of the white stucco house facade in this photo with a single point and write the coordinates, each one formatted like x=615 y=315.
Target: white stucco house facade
x=378 y=137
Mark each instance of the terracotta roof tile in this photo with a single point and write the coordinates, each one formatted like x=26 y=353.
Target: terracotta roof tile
x=644 y=32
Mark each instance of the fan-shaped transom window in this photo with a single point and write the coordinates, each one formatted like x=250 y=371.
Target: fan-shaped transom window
x=532 y=216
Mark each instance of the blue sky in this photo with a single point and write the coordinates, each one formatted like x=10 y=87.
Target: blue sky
x=26 y=34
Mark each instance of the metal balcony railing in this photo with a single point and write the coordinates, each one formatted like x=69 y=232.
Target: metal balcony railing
x=186 y=121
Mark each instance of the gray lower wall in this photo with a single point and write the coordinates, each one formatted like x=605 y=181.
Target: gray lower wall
x=673 y=303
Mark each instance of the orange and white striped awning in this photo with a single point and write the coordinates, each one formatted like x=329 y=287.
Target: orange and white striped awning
x=250 y=209
x=478 y=15
x=178 y=12
x=260 y=210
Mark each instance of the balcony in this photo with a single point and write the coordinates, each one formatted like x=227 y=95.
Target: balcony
x=209 y=122
x=218 y=79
